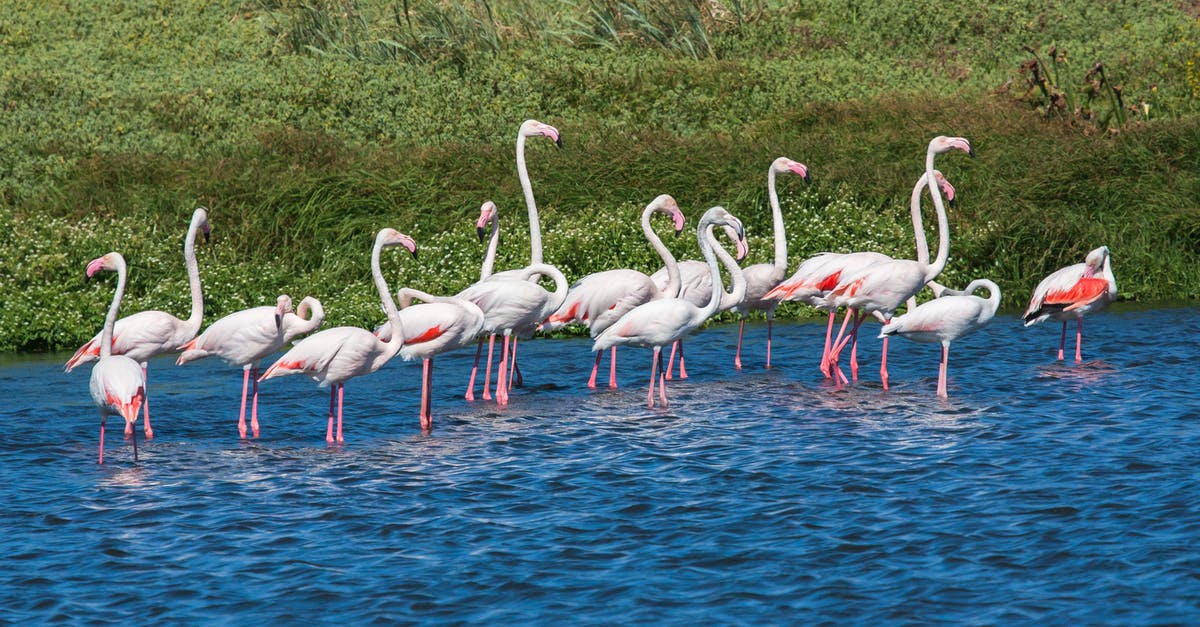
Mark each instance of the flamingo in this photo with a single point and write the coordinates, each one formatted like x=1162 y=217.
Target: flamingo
x=819 y=274
x=762 y=277
x=244 y=338
x=149 y=333
x=601 y=298
x=334 y=356
x=1073 y=292
x=882 y=287
x=438 y=325
x=945 y=319
x=514 y=307
x=118 y=383
x=663 y=321
x=696 y=285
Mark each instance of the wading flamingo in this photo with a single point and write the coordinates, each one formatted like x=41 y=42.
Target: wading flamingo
x=514 y=307
x=118 y=384
x=882 y=287
x=946 y=319
x=601 y=298
x=762 y=277
x=244 y=338
x=1073 y=292
x=663 y=321
x=333 y=356
x=147 y=334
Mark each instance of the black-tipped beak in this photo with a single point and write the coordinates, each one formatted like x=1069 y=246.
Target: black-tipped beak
x=971 y=152
x=278 y=322
x=414 y=254
x=207 y=237
x=481 y=232
x=677 y=232
x=807 y=178
x=558 y=142
x=952 y=203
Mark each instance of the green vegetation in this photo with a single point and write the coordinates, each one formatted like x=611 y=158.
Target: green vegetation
x=305 y=126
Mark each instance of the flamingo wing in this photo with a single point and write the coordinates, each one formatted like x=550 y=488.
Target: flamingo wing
x=1064 y=289
x=433 y=328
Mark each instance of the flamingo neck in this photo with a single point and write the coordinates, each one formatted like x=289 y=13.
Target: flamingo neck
x=780 y=264
x=737 y=280
x=943 y=254
x=110 y=320
x=704 y=237
x=914 y=205
x=535 y=229
x=1108 y=275
x=193 y=272
x=674 y=281
x=561 y=287
x=397 y=339
x=298 y=324
x=489 y=260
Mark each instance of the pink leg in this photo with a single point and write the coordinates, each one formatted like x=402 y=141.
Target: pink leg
x=671 y=360
x=883 y=375
x=828 y=339
x=501 y=382
x=487 y=375
x=595 y=368
x=835 y=349
x=341 y=393
x=737 y=356
x=770 y=323
x=858 y=320
x=1063 y=341
x=612 y=369
x=329 y=425
x=426 y=389
x=145 y=409
x=254 y=406
x=655 y=361
x=662 y=382
x=101 y=439
x=242 y=413
x=1078 y=340
x=682 y=368
x=512 y=368
x=941 y=391
x=470 y=395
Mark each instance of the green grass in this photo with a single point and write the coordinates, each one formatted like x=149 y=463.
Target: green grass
x=307 y=126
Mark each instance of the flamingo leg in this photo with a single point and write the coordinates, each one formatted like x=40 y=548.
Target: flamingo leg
x=242 y=413
x=487 y=376
x=883 y=373
x=135 y=457
x=595 y=368
x=612 y=369
x=941 y=390
x=513 y=371
x=341 y=392
x=470 y=395
x=426 y=390
x=828 y=338
x=501 y=381
x=102 y=417
x=1078 y=340
x=329 y=425
x=254 y=405
x=737 y=356
x=835 y=349
x=655 y=360
x=682 y=368
x=770 y=324
x=1062 y=342
x=671 y=359
x=145 y=408
x=662 y=383
x=858 y=320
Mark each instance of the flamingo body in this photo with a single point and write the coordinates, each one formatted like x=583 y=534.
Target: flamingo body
x=1071 y=293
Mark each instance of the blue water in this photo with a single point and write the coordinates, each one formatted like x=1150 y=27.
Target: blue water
x=1039 y=491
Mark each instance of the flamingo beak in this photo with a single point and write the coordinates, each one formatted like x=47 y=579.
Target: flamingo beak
x=278 y=322
x=479 y=230
x=414 y=253
x=558 y=142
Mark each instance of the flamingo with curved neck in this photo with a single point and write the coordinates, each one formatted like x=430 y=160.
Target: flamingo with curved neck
x=1072 y=292
x=118 y=383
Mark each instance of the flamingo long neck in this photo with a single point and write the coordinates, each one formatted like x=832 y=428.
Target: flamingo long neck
x=707 y=242
x=914 y=205
x=489 y=260
x=993 y=299
x=943 y=253
x=780 y=264
x=737 y=280
x=193 y=272
x=559 y=296
x=535 y=229
x=1108 y=274
x=110 y=320
x=397 y=339
x=298 y=324
x=674 y=281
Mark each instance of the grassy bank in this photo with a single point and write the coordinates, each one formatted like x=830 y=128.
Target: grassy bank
x=305 y=127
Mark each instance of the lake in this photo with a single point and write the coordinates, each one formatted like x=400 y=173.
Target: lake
x=1040 y=491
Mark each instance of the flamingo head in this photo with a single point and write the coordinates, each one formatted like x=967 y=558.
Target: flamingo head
x=200 y=219
x=941 y=144
x=665 y=203
x=111 y=261
x=945 y=186
x=783 y=164
x=735 y=230
x=392 y=237
x=487 y=214
x=1095 y=259
x=739 y=242
x=310 y=309
x=533 y=128
x=283 y=306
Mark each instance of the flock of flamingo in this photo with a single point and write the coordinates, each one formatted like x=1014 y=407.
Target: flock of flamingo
x=621 y=307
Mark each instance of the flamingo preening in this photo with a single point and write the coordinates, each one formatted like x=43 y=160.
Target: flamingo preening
x=244 y=338
x=146 y=334
x=1072 y=292
x=118 y=383
x=663 y=321
x=601 y=298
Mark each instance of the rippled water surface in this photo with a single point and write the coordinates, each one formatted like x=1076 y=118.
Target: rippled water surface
x=1039 y=491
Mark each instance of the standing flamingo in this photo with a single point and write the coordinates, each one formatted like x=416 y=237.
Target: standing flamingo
x=882 y=287
x=514 y=307
x=945 y=319
x=762 y=277
x=663 y=321
x=244 y=338
x=601 y=298
x=1073 y=292
x=118 y=384
x=334 y=356
x=149 y=333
